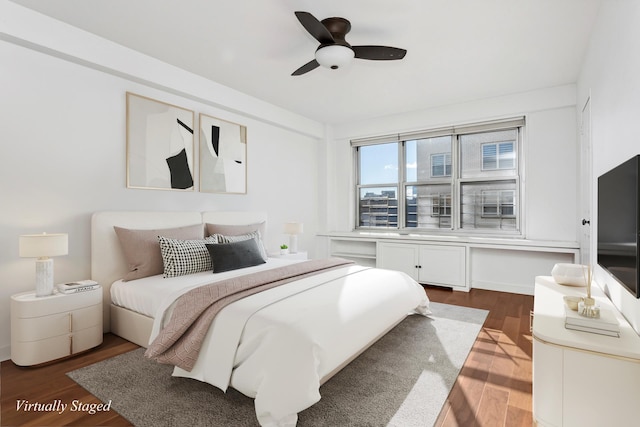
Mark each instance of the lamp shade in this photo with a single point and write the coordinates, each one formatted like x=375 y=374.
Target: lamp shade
x=293 y=228
x=334 y=56
x=44 y=245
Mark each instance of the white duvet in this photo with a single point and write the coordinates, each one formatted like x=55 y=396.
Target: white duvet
x=277 y=346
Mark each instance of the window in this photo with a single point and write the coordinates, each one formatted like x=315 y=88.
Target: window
x=378 y=185
x=458 y=179
x=378 y=207
x=441 y=205
x=498 y=203
x=441 y=164
x=428 y=206
x=498 y=156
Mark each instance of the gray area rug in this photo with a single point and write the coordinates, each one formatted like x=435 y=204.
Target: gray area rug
x=402 y=380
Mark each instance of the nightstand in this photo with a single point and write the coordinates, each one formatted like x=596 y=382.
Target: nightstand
x=298 y=255
x=55 y=326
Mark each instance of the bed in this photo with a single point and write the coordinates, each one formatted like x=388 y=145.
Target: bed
x=277 y=346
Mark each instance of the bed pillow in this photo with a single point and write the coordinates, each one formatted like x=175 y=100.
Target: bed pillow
x=142 y=250
x=235 y=230
x=234 y=255
x=182 y=257
x=239 y=230
x=241 y=237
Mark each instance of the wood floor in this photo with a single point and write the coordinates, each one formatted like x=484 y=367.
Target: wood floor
x=494 y=385
x=493 y=388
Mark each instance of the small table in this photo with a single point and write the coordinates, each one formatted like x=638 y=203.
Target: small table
x=54 y=326
x=298 y=255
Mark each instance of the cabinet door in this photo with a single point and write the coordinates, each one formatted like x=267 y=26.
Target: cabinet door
x=599 y=390
x=400 y=257
x=442 y=265
x=547 y=384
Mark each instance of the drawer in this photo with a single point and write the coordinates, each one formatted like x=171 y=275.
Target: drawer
x=87 y=338
x=35 y=352
x=39 y=328
x=28 y=305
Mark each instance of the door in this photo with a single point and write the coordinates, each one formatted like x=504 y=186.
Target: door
x=442 y=265
x=586 y=186
x=399 y=257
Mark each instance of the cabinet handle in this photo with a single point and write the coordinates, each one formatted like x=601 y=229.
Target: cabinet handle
x=70 y=322
x=70 y=344
x=531 y=321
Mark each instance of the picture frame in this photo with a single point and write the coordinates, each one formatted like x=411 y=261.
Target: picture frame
x=223 y=156
x=160 y=145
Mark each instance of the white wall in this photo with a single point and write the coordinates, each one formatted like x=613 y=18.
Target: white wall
x=63 y=139
x=611 y=76
x=550 y=155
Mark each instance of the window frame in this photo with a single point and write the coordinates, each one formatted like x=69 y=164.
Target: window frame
x=454 y=179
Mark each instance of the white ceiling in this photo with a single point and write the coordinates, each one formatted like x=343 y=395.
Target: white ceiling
x=458 y=50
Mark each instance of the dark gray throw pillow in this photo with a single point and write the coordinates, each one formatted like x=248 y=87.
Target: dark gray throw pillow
x=234 y=255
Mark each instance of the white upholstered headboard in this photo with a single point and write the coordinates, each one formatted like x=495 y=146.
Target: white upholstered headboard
x=107 y=261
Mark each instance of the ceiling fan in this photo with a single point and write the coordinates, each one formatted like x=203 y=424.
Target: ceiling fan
x=334 y=51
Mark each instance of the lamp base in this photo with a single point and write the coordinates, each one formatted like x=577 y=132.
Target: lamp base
x=44 y=277
x=293 y=243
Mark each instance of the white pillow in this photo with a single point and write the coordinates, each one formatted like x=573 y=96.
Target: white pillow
x=254 y=235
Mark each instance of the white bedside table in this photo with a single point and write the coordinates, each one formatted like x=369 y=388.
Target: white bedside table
x=55 y=326
x=297 y=255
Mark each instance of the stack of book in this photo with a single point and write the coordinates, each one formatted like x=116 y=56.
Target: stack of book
x=606 y=324
x=75 y=287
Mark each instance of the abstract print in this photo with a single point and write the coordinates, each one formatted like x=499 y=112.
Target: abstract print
x=223 y=156
x=159 y=145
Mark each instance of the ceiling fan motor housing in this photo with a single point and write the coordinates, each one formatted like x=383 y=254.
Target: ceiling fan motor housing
x=334 y=56
x=339 y=53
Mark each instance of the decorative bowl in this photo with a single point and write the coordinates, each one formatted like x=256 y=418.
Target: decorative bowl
x=570 y=274
x=572 y=302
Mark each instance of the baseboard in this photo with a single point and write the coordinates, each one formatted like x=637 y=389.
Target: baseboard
x=5 y=353
x=504 y=287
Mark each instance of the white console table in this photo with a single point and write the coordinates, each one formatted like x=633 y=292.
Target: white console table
x=457 y=261
x=580 y=378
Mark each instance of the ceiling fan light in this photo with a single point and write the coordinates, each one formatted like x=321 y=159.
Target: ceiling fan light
x=334 y=56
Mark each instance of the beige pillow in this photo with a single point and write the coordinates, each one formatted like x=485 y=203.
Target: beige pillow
x=142 y=250
x=236 y=230
x=242 y=231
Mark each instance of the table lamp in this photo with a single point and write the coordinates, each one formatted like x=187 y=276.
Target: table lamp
x=293 y=229
x=43 y=246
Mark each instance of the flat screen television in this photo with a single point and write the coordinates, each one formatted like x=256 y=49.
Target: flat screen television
x=618 y=222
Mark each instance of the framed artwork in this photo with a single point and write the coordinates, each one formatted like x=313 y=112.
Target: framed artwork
x=223 y=156
x=159 y=145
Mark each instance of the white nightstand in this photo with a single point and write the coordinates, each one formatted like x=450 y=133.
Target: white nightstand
x=55 y=326
x=297 y=255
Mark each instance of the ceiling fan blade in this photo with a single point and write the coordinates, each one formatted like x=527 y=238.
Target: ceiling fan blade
x=311 y=65
x=315 y=27
x=379 y=53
